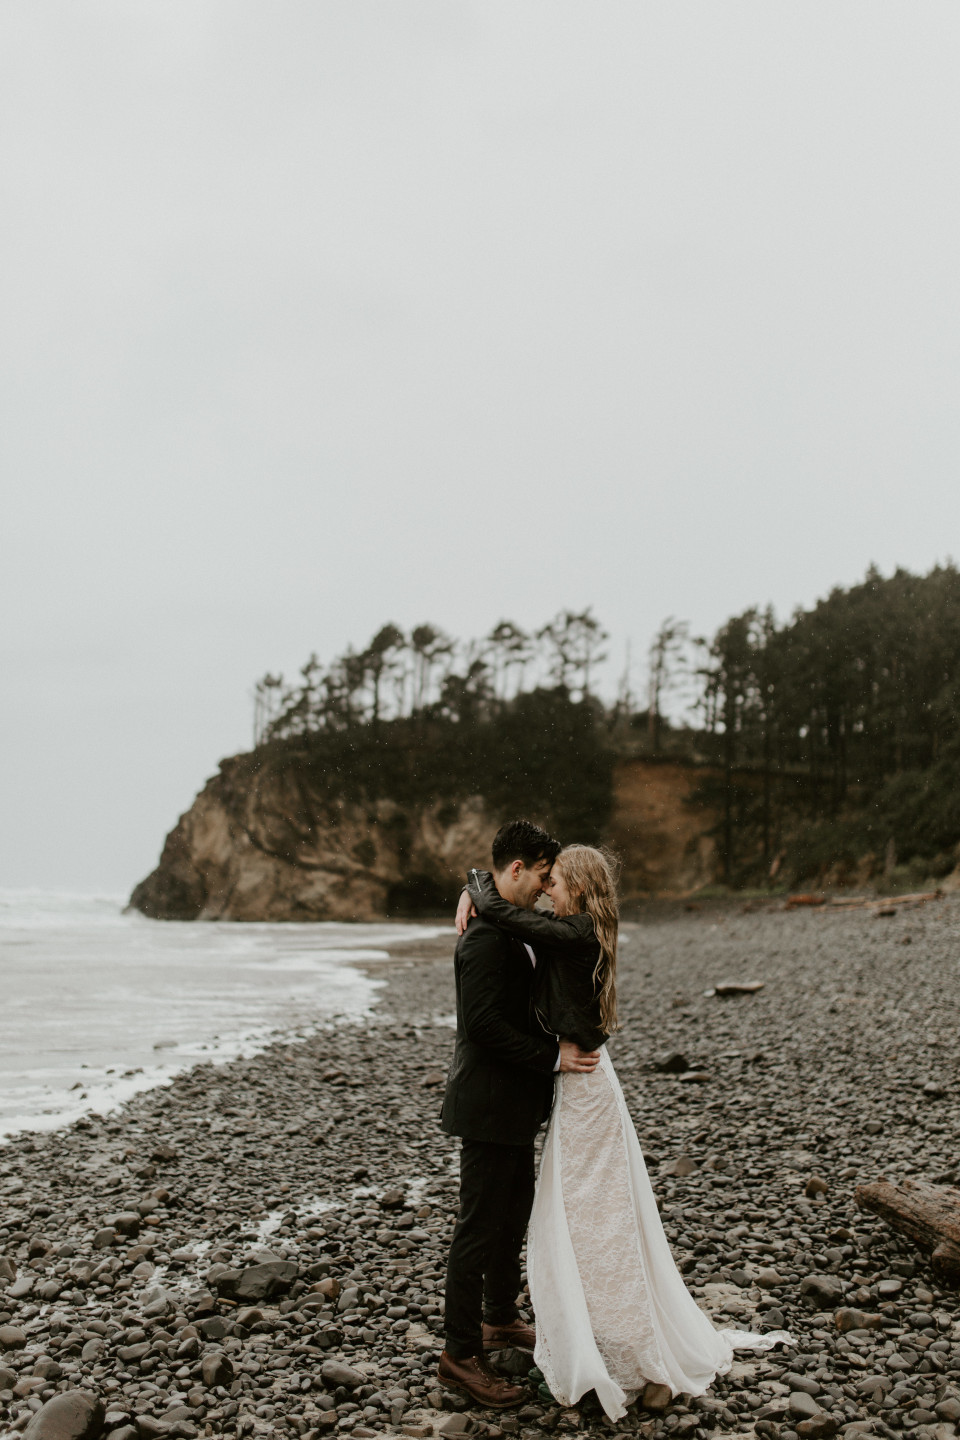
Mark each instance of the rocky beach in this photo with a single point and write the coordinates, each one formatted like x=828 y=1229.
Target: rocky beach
x=258 y=1248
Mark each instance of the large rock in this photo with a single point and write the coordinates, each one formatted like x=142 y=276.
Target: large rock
x=334 y=1373
x=823 y=1290
x=801 y=1405
x=216 y=1369
x=818 y=1427
x=11 y=1338
x=255 y=1282
x=74 y=1415
x=126 y=1223
x=851 y=1319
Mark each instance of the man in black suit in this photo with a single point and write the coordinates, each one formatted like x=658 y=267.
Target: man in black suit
x=499 y=1092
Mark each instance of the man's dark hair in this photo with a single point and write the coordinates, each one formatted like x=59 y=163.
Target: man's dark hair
x=522 y=840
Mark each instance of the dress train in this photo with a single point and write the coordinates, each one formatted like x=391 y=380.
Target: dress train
x=612 y=1308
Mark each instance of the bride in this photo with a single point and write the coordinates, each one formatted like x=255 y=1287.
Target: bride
x=612 y=1311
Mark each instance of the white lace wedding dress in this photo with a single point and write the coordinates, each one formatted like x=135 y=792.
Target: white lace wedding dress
x=611 y=1308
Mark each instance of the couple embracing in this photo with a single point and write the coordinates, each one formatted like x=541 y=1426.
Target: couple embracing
x=536 y=1002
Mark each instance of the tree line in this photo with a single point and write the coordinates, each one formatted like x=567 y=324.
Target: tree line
x=429 y=674
x=837 y=733
x=824 y=738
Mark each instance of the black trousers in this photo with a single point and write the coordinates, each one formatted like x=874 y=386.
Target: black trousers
x=483 y=1268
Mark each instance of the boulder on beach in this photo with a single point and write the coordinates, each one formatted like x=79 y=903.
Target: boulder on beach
x=255 y=1282
x=74 y=1415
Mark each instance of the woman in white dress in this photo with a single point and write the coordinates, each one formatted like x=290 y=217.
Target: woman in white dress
x=612 y=1310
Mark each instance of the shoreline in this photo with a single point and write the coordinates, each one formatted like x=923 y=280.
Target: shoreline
x=327 y=1151
x=102 y=1006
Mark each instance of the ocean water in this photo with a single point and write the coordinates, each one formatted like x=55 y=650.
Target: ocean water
x=96 y=1004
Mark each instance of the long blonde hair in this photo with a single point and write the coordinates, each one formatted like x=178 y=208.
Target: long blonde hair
x=591 y=878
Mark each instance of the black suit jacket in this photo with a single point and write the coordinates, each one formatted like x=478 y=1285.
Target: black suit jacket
x=500 y=1084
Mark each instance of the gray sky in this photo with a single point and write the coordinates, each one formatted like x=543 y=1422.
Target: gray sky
x=317 y=316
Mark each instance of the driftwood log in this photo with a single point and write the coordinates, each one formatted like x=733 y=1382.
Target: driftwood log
x=928 y=1214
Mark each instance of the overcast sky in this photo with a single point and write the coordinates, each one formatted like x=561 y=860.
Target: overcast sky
x=320 y=315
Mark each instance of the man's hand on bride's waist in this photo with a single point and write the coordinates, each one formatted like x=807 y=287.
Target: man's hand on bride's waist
x=573 y=1060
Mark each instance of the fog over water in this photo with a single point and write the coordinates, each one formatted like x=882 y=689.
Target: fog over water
x=319 y=316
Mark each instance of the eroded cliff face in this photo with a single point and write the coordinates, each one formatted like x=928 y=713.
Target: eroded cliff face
x=659 y=831
x=263 y=844
x=260 y=845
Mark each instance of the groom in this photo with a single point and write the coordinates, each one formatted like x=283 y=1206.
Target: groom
x=499 y=1092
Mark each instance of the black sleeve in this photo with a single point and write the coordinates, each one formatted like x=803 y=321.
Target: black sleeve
x=573 y=934
x=483 y=962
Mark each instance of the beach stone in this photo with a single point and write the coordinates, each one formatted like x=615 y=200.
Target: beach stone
x=461 y=1424
x=816 y=1185
x=850 y=1319
x=216 y=1369
x=872 y=1383
x=682 y=1166
x=392 y=1200
x=826 y=1290
x=11 y=1338
x=133 y=1352
x=768 y=1279
x=260 y=1282
x=8 y=1268
x=655 y=1397
x=27 y=1385
x=74 y=1415
x=671 y=1062
x=800 y=1382
x=818 y=1427
x=156 y=1301
x=149 y=1428
x=888 y=1288
x=802 y=1405
x=8 y=1378
x=249 y=1315
x=335 y=1372
x=949 y=1409
x=224 y=1278
x=21 y=1287
x=126 y=1223
x=104 y=1237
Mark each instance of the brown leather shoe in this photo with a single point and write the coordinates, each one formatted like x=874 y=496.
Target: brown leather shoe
x=503 y=1337
x=475 y=1378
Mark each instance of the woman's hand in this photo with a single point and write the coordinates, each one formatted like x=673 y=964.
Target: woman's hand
x=466 y=911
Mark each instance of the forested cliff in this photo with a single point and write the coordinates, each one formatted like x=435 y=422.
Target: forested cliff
x=823 y=750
